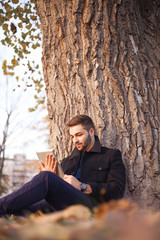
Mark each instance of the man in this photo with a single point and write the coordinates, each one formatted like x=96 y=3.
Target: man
x=93 y=174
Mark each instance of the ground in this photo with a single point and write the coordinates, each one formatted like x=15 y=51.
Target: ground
x=116 y=220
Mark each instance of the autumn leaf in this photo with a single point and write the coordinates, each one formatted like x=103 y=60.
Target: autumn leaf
x=29 y=38
x=33 y=17
x=15 y=1
x=1 y=20
x=20 y=25
x=31 y=109
x=7 y=7
x=13 y=28
x=29 y=26
x=5 y=27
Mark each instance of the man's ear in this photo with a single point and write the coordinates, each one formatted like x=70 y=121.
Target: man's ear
x=92 y=131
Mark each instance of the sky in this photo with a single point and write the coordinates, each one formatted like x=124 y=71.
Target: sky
x=27 y=129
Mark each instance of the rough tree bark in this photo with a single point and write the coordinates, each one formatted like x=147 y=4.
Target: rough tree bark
x=101 y=58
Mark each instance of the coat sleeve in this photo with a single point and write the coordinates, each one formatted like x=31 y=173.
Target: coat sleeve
x=114 y=188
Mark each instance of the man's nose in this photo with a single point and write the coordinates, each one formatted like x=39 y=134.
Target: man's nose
x=75 y=139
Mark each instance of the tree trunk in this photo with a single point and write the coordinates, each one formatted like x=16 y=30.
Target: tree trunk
x=101 y=58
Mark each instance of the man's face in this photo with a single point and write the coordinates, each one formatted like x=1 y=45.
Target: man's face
x=82 y=139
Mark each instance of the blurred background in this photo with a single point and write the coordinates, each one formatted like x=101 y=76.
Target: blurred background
x=23 y=114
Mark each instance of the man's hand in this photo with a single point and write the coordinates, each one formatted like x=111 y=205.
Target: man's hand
x=72 y=180
x=50 y=164
x=75 y=183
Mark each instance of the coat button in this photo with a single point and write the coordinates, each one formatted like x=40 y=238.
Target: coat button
x=100 y=168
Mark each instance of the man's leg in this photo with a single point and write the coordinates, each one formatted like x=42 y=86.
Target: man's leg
x=46 y=185
x=42 y=206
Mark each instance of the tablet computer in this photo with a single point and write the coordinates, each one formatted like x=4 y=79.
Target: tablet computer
x=42 y=157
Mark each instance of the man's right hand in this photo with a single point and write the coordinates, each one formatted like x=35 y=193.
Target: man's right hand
x=50 y=164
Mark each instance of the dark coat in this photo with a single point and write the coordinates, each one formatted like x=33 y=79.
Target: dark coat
x=102 y=168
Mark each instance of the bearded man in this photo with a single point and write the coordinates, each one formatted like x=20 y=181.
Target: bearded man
x=92 y=174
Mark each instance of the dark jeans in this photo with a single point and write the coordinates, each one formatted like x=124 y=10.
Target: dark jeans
x=45 y=192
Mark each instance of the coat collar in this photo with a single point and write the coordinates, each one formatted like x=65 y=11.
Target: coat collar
x=96 y=148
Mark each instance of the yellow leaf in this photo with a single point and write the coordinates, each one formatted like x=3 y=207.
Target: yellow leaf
x=20 y=10
x=5 y=27
x=10 y=67
x=10 y=73
x=33 y=17
x=1 y=20
x=31 y=109
x=14 y=62
x=20 y=24
x=4 y=65
x=7 y=7
x=20 y=54
x=15 y=1
x=28 y=26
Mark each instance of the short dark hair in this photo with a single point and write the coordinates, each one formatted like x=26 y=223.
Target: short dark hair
x=85 y=120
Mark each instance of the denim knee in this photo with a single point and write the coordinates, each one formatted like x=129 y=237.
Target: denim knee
x=49 y=177
x=47 y=173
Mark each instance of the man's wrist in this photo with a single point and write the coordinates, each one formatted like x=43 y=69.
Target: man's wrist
x=85 y=188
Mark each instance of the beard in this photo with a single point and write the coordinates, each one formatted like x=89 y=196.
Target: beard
x=83 y=146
